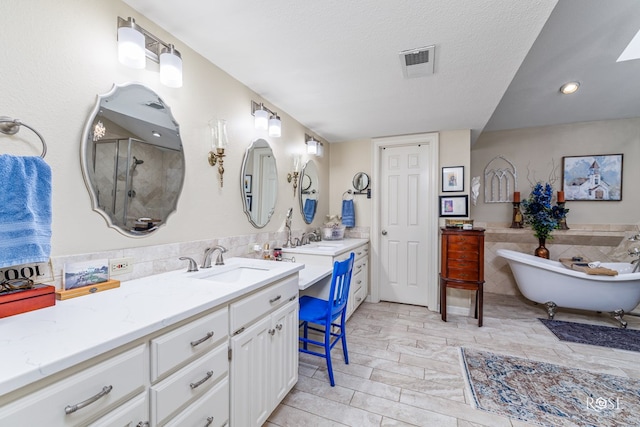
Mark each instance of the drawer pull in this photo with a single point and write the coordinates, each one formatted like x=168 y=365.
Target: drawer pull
x=201 y=340
x=279 y=326
x=272 y=332
x=359 y=299
x=359 y=266
x=70 y=409
x=359 y=253
x=272 y=300
x=143 y=424
x=209 y=421
x=359 y=281
x=199 y=383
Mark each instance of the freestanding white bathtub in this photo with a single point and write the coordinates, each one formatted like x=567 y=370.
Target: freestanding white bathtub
x=551 y=283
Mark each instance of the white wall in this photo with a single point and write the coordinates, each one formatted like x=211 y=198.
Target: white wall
x=60 y=55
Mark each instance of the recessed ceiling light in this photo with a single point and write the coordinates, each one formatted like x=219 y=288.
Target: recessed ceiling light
x=569 y=88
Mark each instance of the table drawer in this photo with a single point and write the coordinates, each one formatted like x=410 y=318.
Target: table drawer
x=245 y=311
x=469 y=265
x=472 y=255
x=461 y=239
x=463 y=247
x=83 y=395
x=197 y=337
x=462 y=274
x=211 y=410
x=188 y=384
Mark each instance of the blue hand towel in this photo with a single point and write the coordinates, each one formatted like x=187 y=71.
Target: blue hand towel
x=348 y=214
x=25 y=210
x=309 y=210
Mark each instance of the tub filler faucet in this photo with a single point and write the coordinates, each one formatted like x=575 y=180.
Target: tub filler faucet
x=635 y=252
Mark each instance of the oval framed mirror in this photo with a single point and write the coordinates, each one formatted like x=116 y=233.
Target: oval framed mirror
x=361 y=181
x=132 y=159
x=309 y=191
x=259 y=183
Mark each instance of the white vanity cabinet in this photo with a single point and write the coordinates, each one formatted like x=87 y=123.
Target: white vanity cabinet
x=169 y=363
x=264 y=351
x=88 y=393
x=359 y=279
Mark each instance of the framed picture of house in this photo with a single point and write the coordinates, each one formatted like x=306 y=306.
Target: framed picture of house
x=452 y=206
x=453 y=178
x=592 y=178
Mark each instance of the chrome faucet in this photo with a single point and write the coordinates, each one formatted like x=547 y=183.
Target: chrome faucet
x=309 y=237
x=208 y=254
x=193 y=265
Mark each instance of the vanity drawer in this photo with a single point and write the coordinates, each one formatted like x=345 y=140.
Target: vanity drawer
x=212 y=406
x=243 y=312
x=361 y=252
x=176 y=347
x=358 y=297
x=462 y=248
x=187 y=384
x=92 y=391
x=463 y=264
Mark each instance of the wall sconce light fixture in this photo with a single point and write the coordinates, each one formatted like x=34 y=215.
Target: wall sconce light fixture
x=135 y=44
x=219 y=142
x=265 y=119
x=293 y=176
x=313 y=146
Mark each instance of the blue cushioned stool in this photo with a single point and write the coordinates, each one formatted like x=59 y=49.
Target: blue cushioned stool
x=323 y=314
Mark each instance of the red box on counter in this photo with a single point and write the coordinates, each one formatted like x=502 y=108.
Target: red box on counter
x=16 y=302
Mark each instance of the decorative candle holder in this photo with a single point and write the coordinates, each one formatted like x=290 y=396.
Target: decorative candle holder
x=517 y=220
x=563 y=221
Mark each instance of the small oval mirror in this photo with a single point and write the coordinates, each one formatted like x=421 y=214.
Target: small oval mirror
x=361 y=181
x=309 y=191
x=132 y=159
x=259 y=183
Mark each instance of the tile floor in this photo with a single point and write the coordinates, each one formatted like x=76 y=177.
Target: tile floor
x=405 y=368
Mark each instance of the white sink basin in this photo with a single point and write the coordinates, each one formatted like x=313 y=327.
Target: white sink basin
x=236 y=274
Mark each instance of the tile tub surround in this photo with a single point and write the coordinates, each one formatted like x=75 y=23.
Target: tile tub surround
x=596 y=242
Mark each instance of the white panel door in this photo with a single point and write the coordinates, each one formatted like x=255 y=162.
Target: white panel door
x=403 y=223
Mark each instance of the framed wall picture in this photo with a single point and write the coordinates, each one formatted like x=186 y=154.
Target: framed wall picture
x=592 y=178
x=452 y=178
x=453 y=206
x=247 y=183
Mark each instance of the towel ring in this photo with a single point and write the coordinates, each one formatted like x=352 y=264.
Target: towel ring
x=350 y=192
x=10 y=126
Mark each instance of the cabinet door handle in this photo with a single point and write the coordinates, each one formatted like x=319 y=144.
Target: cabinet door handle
x=272 y=332
x=70 y=409
x=272 y=300
x=359 y=299
x=209 y=421
x=201 y=340
x=279 y=326
x=359 y=281
x=143 y=424
x=199 y=383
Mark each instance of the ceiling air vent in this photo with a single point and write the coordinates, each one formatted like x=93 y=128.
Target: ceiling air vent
x=417 y=62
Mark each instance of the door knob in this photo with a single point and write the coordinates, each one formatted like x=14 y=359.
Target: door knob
x=384 y=232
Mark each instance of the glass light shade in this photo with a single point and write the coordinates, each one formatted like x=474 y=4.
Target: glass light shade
x=296 y=163
x=312 y=146
x=320 y=150
x=261 y=119
x=131 y=48
x=171 y=67
x=275 y=127
x=218 y=128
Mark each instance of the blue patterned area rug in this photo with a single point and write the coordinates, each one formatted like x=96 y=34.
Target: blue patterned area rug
x=549 y=395
x=604 y=336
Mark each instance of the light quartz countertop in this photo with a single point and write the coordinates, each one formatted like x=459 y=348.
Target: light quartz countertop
x=326 y=247
x=40 y=343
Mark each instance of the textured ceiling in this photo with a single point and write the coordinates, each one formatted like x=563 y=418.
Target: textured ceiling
x=334 y=66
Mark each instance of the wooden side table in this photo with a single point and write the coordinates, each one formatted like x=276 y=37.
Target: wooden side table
x=462 y=265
